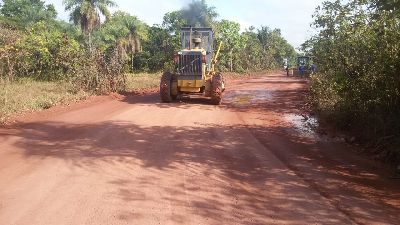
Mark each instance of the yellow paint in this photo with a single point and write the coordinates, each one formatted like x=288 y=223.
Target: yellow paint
x=189 y=89
x=203 y=52
x=190 y=83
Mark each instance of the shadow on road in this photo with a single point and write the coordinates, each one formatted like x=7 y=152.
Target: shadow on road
x=239 y=170
x=231 y=172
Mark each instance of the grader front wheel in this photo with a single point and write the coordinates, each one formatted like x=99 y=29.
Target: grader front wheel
x=165 y=88
x=216 y=89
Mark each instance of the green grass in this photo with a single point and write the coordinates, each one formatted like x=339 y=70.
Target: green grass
x=26 y=95
x=140 y=81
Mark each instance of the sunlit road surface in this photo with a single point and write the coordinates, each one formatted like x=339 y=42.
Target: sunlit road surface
x=134 y=160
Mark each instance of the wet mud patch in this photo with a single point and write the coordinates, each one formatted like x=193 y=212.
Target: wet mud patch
x=305 y=125
x=247 y=98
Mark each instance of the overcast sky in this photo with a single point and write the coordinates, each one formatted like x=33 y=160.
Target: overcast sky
x=293 y=17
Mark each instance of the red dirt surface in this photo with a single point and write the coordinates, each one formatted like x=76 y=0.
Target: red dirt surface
x=133 y=160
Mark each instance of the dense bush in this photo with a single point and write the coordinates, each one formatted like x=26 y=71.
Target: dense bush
x=358 y=53
x=9 y=54
x=49 y=53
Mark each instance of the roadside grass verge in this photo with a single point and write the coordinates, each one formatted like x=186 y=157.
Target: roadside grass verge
x=142 y=81
x=26 y=95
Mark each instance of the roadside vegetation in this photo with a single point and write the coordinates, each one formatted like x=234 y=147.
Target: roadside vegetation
x=26 y=95
x=45 y=61
x=358 y=84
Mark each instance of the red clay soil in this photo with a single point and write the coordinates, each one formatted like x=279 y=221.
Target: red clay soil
x=134 y=160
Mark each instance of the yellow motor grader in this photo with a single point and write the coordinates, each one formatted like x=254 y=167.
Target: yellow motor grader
x=194 y=68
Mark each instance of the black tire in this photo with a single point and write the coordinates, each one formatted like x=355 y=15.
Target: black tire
x=165 y=87
x=216 y=89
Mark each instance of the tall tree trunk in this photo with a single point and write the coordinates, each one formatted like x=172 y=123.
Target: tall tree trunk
x=132 y=58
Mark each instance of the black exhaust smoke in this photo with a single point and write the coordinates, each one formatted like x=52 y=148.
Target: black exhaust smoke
x=198 y=14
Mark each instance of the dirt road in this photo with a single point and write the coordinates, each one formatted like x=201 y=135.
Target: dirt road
x=137 y=161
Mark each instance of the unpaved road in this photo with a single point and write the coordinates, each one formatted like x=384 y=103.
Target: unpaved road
x=136 y=161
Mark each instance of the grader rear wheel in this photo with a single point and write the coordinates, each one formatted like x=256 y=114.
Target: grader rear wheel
x=216 y=89
x=165 y=88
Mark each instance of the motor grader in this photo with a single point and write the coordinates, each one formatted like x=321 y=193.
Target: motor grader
x=195 y=72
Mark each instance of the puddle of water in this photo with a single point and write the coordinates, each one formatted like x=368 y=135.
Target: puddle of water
x=305 y=125
x=247 y=97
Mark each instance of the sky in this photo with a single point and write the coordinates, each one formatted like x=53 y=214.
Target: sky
x=293 y=17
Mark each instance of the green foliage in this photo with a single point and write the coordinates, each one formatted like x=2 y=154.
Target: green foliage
x=86 y=13
x=34 y=44
x=23 y=13
x=358 y=54
x=9 y=54
x=173 y=21
x=228 y=32
x=49 y=53
x=125 y=31
x=159 y=49
x=275 y=47
x=252 y=56
x=262 y=49
x=119 y=26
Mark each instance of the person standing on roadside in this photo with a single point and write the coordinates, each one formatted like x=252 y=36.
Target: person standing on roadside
x=287 y=70
x=302 y=70
x=313 y=68
x=286 y=66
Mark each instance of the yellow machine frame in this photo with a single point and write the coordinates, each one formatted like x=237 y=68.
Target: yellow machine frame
x=194 y=86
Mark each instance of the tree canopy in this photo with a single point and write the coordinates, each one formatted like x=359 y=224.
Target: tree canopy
x=121 y=42
x=358 y=54
x=86 y=13
x=23 y=13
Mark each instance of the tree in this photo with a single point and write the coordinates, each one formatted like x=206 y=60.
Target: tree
x=23 y=13
x=252 y=52
x=388 y=5
x=158 y=49
x=9 y=54
x=229 y=33
x=86 y=13
x=275 y=47
x=122 y=30
x=173 y=21
x=358 y=54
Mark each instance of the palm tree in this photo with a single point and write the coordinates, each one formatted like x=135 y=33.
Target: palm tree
x=137 y=31
x=86 y=13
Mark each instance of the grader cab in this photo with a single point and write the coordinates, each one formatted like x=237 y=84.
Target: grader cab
x=195 y=72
